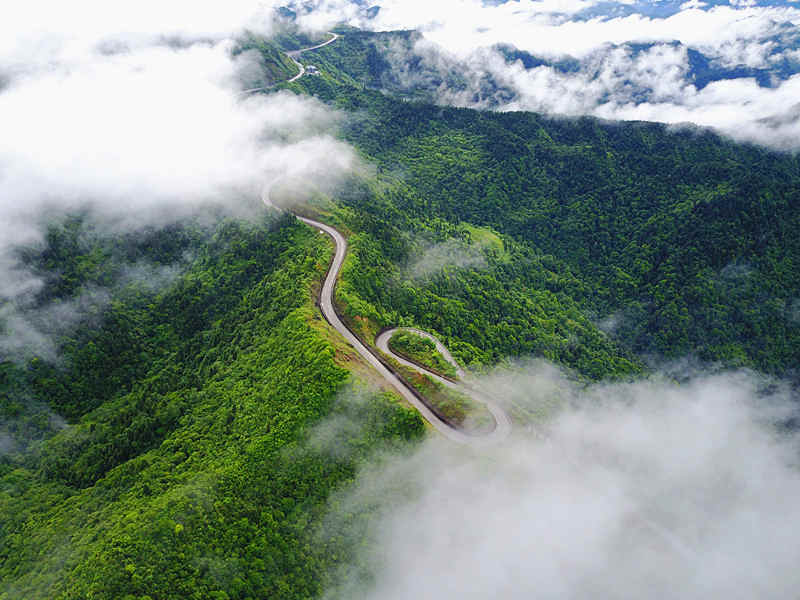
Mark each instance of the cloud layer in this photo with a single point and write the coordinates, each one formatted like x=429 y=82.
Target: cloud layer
x=731 y=66
x=640 y=490
x=134 y=112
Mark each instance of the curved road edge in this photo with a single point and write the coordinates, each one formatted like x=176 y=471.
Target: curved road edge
x=382 y=342
x=329 y=312
x=500 y=416
x=295 y=54
x=502 y=422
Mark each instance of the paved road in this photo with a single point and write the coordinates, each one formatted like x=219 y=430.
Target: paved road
x=501 y=418
x=326 y=305
x=503 y=424
x=382 y=342
x=295 y=55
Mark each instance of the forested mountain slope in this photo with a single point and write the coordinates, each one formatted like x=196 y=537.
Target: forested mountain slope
x=171 y=449
x=186 y=471
x=272 y=65
x=682 y=242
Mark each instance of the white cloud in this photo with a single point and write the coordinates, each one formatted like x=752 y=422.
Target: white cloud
x=640 y=490
x=432 y=259
x=693 y=4
x=133 y=111
x=33 y=331
x=548 y=29
x=653 y=83
x=613 y=83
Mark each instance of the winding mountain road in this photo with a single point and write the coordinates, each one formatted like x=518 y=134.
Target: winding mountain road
x=295 y=55
x=501 y=419
x=382 y=342
x=502 y=422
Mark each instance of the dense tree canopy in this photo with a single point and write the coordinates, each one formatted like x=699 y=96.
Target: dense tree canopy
x=165 y=452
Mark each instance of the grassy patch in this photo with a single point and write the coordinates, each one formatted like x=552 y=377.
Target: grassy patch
x=487 y=238
x=422 y=351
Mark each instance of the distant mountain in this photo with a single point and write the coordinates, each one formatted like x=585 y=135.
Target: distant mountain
x=394 y=62
x=702 y=68
x=657 y=8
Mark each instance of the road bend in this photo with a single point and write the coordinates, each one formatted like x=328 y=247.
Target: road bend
x=503 y=423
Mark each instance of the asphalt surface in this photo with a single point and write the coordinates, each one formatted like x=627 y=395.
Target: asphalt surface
x=295 y=55
x=503 y=424
x=501 y=418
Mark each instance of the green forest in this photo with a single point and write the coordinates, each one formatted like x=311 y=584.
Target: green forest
x=186 y=470
x=677 y=241
x=171 y=451
x=421 y=351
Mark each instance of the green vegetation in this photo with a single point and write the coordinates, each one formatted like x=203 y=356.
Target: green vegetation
x=485 y=237
x=455 y=406
x=291 y=38
x=275 y=66
x=191 y=476
x=385 y=60
x=187 y=442
x=517 y=305
x=422 y=351
x=676 y=241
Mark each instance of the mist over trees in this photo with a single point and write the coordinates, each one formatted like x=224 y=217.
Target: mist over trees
x=177 y=420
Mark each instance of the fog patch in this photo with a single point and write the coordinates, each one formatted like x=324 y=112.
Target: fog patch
x=610 y=324
x=28 y=330
x=434 y=258
x=794 y=310
x=151 y=277
x=7 y=443
x=736 y=271
x=336 y=435
x=24 y=422
x=644 y=489
x=134 y=118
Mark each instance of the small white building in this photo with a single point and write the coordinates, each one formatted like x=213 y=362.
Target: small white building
x=312 y=70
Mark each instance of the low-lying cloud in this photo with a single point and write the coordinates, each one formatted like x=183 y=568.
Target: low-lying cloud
x=733 y=67
x=642 y=490
x=432 y=259
x=134 y=114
